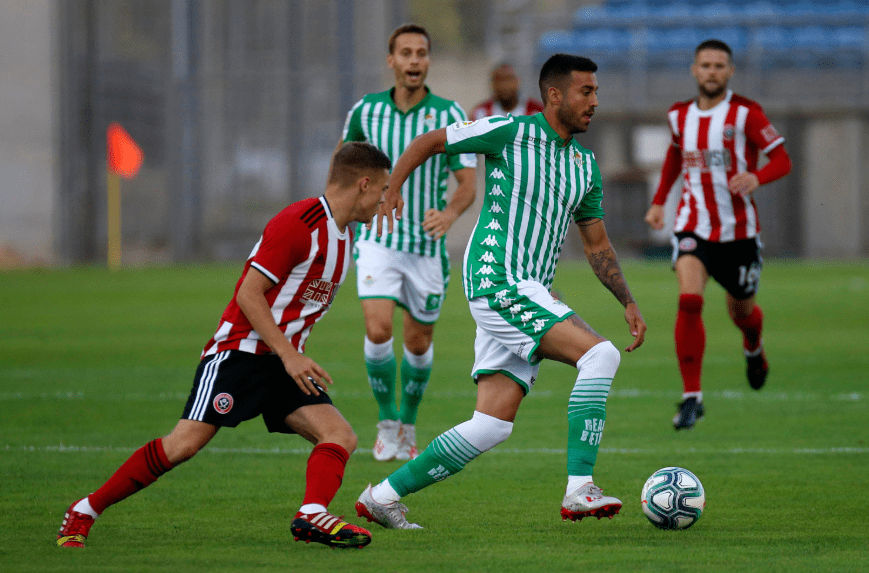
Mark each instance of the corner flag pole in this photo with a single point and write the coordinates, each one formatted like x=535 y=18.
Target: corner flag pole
x=113 y=191
x=123 y=159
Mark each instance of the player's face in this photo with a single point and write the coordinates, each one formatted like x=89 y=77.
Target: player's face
x=409 y=61
x=505 y=84
x=579 y=101
x=372 y=195
x=712 y=69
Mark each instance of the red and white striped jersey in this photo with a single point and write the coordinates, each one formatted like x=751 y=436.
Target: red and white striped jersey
x=529 y=106
x=715 y=145
x=303 y=252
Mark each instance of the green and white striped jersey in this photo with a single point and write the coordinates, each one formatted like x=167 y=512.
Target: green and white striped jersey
x=535 y=186
x=377 y=120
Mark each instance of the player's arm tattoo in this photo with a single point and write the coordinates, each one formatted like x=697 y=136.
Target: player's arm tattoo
x=606 y=266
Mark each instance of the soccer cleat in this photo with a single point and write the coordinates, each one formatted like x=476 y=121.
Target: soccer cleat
x=388 y=440
x=390 y=516
x=690 y=411
x=329 y=530
x=407 y=449
x=75 y=528
x=757 y=368
x=588 y=501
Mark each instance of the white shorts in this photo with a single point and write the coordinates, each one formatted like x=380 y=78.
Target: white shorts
x=416 y=283
x=510 y=325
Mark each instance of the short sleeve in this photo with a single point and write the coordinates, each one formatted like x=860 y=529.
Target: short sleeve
x=759 y=131
x=285 y=243
x=459 y=161
x=590 y=207
x=488 y=136
x=353 y=124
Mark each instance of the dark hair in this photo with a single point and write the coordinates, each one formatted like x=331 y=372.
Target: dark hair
x=408 y=29
x=353 y=159
x=557 y=70
x=714 y=45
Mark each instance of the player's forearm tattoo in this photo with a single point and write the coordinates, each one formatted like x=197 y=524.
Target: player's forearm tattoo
x=606 y=266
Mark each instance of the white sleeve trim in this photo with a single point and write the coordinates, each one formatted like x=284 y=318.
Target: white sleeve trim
x=266 y=272
x=773 y=145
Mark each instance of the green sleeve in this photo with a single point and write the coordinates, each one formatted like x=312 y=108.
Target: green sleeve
x=353 y=125
x=488 y=136
x=590 y=206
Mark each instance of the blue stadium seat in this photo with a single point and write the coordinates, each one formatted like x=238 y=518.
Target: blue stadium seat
x=671 y=48
x=590 y=16
x=850 y=46
x=761 y=11
x=672 y=13
x=734 y=36
x=717 y=12
x=556 y=41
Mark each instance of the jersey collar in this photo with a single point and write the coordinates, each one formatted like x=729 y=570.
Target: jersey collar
x=724 y=102
x=547 y=129
x=421 y=103
x=331 y=220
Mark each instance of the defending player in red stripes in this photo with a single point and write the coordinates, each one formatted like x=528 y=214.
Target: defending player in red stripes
x=255 y=364
x=717 y=139
x=506 y=98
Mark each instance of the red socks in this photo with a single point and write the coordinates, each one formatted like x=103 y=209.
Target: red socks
x=690 y=340
x=141 y=470
x=751 y=327
x=325 y=473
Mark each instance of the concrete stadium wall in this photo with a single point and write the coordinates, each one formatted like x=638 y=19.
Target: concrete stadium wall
x=28 y=134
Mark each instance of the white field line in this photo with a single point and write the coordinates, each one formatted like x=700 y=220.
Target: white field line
x=469 y=393
x=68 y=449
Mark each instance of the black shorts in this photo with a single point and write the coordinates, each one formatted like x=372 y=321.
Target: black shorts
x=233 y=386
x=735 y=265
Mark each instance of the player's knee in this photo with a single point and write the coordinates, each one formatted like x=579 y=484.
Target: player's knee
x=343 y=435
x=609 y=354
x=180 y=452
x=378 y=332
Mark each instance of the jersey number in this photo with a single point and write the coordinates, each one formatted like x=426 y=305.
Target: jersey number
x=748 y=276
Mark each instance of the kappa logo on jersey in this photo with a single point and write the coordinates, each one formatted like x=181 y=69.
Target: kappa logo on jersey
x=687 y=244
x=496 y=174
x=490 y=241
x=487 y=257
x=485 y=270
x=319 y=292
x=486 y=283
x=494 y=225
x=495 y=208
x=496 y=191
x=223 y=403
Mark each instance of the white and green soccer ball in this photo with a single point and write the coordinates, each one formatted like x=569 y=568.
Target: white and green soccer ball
x=673 y=498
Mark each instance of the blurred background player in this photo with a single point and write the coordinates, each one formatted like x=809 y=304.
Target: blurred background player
x=506 y=97
x=716 y=141
x=509 y=266
x=410 y=266
x=255 y=366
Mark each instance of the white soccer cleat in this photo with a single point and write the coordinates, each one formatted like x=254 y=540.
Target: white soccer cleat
x=588 y=500
x=407 y=449
x=388 y=440
x=390 y=516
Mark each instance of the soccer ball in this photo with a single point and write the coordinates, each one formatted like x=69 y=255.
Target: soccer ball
x=673 y=498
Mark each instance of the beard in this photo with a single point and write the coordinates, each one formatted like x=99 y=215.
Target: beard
x=713 y=93
x=570 y=122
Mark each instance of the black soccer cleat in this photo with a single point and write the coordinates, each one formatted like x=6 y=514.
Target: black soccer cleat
x=757 y=369
x=690 y=411
x=329 y=530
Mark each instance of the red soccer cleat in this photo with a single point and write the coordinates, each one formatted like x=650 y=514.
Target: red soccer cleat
x=75 y=528
x=329 y=530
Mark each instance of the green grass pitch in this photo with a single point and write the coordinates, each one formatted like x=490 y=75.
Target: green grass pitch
x=93 y=364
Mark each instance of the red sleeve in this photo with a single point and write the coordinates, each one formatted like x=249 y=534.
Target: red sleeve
x=779 y=165
x=760 y=132
x=286 y=242
x=669 y=173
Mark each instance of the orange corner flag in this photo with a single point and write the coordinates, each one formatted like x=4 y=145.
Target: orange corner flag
x=123 y=155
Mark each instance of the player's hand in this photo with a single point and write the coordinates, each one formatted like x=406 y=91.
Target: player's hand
x=743 y=183
x=390 y=208
x=655 y=217
x=636 y=324
x=437 y=223
x=309 y=376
